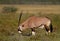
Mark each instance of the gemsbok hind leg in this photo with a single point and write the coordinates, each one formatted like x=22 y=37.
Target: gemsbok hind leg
x=47 y=29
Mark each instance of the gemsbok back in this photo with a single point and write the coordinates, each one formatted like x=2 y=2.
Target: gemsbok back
x=35 y=22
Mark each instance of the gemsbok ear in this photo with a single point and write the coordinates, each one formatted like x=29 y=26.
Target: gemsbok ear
x=20 y=18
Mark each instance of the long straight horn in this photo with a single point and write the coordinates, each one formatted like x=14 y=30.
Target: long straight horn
x=20 y=18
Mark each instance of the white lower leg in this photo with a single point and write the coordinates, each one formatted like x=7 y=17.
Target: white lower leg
x=33 y=33
x=49 y=31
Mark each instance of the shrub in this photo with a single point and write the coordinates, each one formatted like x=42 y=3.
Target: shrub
x=9 y=9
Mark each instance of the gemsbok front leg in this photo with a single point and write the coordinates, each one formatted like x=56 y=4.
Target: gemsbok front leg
x=33 y=31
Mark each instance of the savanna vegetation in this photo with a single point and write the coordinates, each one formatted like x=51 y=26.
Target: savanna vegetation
x=9 y=24
x=9 y=9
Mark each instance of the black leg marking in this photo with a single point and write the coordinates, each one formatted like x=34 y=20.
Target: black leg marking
x=33 y=29
x=46 y=27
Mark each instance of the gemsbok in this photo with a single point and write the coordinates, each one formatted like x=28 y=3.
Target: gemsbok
x=35 y=22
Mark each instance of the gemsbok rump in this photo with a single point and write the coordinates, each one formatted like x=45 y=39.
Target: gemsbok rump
x=35 y=22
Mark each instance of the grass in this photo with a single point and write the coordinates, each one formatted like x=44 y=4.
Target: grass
x=9 y=26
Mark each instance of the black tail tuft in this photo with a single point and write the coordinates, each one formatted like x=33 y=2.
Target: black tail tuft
x=51 y=28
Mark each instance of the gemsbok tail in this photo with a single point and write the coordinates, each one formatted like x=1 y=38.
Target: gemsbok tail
x=51 y=28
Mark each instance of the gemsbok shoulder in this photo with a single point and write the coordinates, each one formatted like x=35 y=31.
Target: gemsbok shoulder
x=35 y=22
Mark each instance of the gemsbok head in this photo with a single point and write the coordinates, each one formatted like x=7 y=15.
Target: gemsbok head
x=35 y=22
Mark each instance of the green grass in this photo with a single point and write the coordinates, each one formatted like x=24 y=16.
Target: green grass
x=9 y=26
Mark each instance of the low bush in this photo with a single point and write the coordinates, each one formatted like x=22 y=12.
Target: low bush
x=9 y=9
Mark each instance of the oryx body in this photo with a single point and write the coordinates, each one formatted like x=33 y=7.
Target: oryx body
x=36 y=22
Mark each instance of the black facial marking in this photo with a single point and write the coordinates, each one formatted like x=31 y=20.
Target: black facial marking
x=19 y=30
